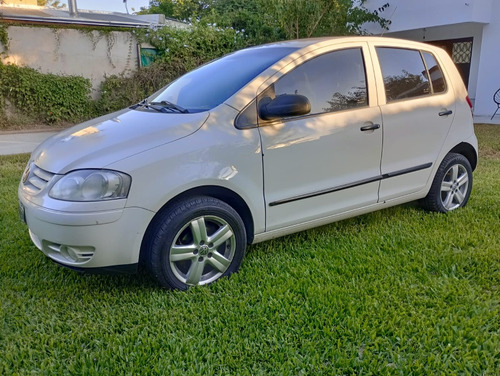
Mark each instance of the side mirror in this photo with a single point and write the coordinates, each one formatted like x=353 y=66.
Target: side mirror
x=284 y=106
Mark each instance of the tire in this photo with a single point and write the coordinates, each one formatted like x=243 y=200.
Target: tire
x=452 y=185
x=195 y=242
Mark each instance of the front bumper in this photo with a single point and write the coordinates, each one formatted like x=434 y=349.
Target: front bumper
x=87 y=239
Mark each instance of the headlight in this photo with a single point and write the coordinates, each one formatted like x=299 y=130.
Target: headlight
x=91 y=185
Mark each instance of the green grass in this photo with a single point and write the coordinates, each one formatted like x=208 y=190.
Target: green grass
x=398 y=292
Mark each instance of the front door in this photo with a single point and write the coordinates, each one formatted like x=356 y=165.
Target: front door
x=328 y=161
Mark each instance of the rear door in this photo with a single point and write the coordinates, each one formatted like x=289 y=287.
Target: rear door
x=417 y=113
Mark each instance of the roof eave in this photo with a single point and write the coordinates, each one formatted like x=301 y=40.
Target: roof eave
x=71 y=21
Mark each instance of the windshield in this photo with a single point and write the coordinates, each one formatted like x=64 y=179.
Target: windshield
x=213 y=83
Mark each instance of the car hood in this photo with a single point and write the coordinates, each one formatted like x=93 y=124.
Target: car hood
x=110 y=138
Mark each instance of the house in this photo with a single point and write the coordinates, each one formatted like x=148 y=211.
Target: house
x=92 y=44
x=468 y=29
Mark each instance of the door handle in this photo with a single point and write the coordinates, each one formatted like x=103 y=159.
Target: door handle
x=369 y=127
x=445 y=113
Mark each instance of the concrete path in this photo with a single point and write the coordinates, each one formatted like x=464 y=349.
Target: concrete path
x=22 y=142
x=487 y=119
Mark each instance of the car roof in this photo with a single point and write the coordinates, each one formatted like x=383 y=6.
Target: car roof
x=318 y=42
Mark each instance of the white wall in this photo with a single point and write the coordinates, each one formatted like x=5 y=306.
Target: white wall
x=417 y=14
x=89 y=54
x=489 y=65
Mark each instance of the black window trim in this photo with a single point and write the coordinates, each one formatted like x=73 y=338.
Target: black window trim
x=237 y=120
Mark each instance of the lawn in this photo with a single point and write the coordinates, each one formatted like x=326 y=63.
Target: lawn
x=398 y=292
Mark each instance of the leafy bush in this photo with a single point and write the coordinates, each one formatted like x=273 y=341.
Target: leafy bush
x=4 y=37
x=120 y=91
x=192 y=47
x=47 y=98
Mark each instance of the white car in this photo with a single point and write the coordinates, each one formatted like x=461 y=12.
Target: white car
x=261 y=143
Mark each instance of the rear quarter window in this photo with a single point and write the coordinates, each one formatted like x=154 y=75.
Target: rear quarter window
x=435 y=73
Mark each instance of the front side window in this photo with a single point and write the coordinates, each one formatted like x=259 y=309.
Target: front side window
x=404 y=73
x=334 y=81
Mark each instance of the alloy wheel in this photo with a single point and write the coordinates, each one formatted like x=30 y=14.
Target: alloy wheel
x=202 y=250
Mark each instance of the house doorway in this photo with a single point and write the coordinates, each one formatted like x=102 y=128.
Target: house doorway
x=460 y=51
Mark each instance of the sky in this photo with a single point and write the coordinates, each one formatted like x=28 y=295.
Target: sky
x=110 y=5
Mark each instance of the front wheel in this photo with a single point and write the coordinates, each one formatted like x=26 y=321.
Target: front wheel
x=197 y=242
x=452 y=185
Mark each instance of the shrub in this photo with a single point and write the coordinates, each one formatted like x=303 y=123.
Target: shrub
x=47 y=98
x=119 y=91
x=194 y=46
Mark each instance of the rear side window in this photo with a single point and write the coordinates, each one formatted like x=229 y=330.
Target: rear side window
x=404 y=73
x=409 y=73
x=334 y=81
x=435 y=74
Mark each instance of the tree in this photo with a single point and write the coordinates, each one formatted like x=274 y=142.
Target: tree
x=247 y=16
x=179 y=9
x=309 y=18
x=51 y=4
x=269 y=20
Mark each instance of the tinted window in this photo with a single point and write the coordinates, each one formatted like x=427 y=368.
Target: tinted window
x=332 y=82
x=213 y=83
x=404 y=73
x=435 y=73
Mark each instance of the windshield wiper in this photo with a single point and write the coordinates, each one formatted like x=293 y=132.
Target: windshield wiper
x=143 y=103
x=163 y=106
x=170 y=106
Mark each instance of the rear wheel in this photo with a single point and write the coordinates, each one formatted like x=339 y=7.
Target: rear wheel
x=452 y=185
x=197 y=242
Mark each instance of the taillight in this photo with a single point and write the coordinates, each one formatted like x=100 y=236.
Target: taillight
x=469 y=102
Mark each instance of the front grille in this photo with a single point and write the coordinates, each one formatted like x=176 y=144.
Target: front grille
x=36 y=179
